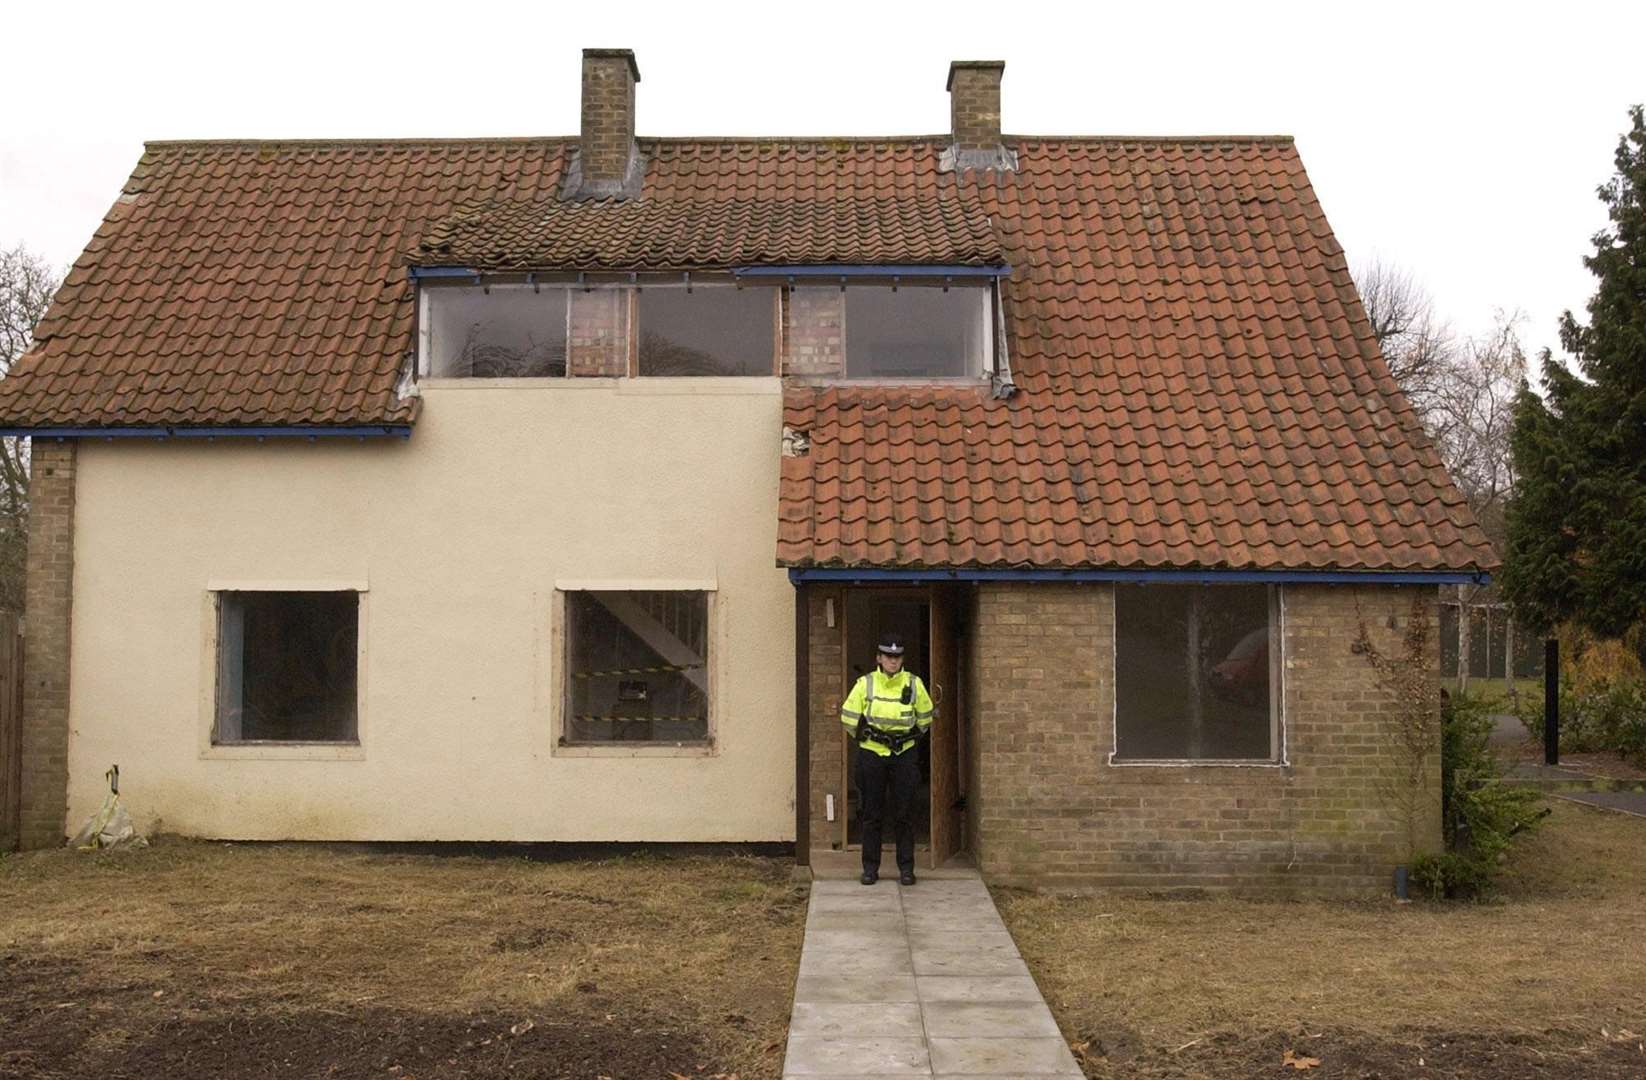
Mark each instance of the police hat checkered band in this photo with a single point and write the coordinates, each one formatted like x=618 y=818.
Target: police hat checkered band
x=891 y=647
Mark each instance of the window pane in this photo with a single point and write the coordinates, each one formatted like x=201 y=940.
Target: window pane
x=914 y=331
x=286 y=666
x=637 y=666
x=511 y=331
x=1192 y=671
x=714 y=330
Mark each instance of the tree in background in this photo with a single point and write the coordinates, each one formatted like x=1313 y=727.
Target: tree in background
x=1577 y=527
x=1463 y=391
x=27 y=285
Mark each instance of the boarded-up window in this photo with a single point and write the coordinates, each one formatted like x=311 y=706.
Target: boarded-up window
x=504 y=331
x=920 y=332
x=286 y=667
x=708 y=330
x=637 y=667
x=1196 y=672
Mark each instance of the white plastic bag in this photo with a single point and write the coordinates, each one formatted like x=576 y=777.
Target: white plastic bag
x=111 y=826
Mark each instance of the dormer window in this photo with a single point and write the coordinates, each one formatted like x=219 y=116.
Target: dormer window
x=917 y=332
x=717 y=329
x=674 y=326
x=503 y=331
x=882 y=330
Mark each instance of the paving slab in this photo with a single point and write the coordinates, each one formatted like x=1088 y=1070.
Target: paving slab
x=854 y=920
x=856 y=937
x=863 y=989
x=886 y=1056
x=896 y=961
x=989 y=1019
x=966 y=962
x=936 y=988
x=973 y=1057
x=850 y=1019
x=984 y=941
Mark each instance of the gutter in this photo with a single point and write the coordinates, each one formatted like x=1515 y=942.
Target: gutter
x=838 y=270
x=805 y=574
x=366 y=431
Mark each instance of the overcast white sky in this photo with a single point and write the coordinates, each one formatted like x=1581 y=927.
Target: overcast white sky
x=1462 y=142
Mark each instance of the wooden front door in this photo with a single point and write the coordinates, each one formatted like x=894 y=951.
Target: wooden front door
x=943 y=681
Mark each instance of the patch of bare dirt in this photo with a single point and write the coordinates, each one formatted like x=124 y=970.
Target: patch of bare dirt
x=194 y=960
x=1352 y=1055
x=54 y=1025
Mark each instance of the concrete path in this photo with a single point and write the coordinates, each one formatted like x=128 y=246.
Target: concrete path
x=923 y=981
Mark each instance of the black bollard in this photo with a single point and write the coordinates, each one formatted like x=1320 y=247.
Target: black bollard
x=1551 y=702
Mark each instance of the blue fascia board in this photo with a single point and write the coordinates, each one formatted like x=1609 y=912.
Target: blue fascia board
x=838 y=270
x=417 y=273
x=371 y=431
x=799 y=574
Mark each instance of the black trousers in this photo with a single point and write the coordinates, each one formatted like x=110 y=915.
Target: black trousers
x=874 y=772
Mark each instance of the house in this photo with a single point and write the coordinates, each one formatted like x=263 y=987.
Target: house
x=555 y=489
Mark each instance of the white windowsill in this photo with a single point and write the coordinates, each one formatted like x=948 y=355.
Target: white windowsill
x=635 y=750
x=284 y=751
x=645 y=385
x=1195 y=763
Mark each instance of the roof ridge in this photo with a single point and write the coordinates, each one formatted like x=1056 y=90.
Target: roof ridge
x=688 y=140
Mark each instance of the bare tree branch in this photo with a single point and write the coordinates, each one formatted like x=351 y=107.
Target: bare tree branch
x=1416 y=344
x=27 y=285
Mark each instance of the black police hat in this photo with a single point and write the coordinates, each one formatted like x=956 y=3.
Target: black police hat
x=890 y=645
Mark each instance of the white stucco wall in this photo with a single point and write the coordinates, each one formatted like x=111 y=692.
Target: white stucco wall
x=460 y=536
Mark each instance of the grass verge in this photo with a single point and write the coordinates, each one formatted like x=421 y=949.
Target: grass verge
x=1547 y=980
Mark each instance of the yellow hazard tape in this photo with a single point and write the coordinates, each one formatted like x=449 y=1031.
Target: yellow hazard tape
x=634 y=671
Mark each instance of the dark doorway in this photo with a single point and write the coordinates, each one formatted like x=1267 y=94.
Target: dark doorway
x=871 y=614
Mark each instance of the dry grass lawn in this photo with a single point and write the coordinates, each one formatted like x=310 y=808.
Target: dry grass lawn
x=202 y=959
x=1548 y=980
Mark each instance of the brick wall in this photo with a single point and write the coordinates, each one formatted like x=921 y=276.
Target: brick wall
x=48 y=597
x=1049 y=809
x=828 y=677
x=974 y=105
x=814 y=332
x=597 y=335
x=607 y=116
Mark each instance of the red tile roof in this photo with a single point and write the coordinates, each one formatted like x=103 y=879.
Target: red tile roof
x=942 y=227
x=1199 y=384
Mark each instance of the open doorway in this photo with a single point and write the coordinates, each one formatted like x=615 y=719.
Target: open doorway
x=870 y=616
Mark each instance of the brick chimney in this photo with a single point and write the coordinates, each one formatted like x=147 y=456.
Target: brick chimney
x=608 y=162
x=974 y=114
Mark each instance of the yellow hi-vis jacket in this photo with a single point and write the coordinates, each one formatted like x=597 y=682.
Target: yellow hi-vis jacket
x=879 y=698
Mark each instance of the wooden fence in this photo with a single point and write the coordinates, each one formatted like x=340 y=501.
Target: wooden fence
x=11 y=730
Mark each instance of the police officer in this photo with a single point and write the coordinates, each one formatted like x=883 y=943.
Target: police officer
x=887 y=711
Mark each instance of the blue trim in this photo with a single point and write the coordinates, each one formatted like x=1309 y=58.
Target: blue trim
x=870 y=270
x=798 y=574
x=399 y=431
x=417 y=273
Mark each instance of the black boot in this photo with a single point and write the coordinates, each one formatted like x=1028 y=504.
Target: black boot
x=869 y=877
x=906 y=878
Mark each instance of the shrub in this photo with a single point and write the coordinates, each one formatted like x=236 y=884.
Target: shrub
x=1597 y=714
x=1482 y=815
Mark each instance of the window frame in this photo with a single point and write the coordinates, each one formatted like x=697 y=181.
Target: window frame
x=987 y=332
x=637 y=326
x=1279 y=751
x=425 y=329
x=210 y=659
x=559 y=684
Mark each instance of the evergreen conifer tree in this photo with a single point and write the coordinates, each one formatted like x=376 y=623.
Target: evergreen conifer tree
x=1577 y=525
